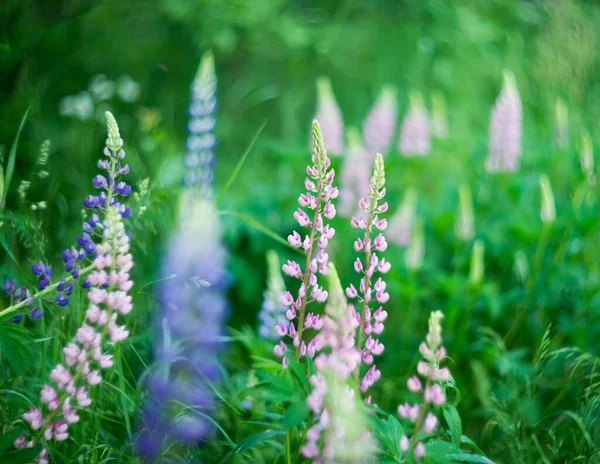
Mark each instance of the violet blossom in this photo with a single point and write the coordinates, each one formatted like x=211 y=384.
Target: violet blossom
x=371 y=289
x=504 y=146
x=415 y=137
x=432 y=388
x=318 y=201
x=380 y=125
x=355 y=174
x=272 y=312
x=329 y=115
x=88 y=354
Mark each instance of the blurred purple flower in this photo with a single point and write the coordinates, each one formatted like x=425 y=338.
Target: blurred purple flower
x=329 y=115
x=354 y=179
x=380 y=125
x=415 y=137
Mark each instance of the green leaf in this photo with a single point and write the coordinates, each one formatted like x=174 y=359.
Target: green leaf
x=454 y=423
x=467 y=441
x=295 y=414
x=21 y=456
x=10 y=166
x=256 y=439
x=253 y=223
x=6 y=441
x=468 y=457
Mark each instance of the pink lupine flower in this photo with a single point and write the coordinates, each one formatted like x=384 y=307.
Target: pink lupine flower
x=319 y=201
x=371 y=289
x=401 y=224
x=355 y=174
x=329 y=115
x=504 y=147
x=433 y=393
x=415 y=138
x=380 y=125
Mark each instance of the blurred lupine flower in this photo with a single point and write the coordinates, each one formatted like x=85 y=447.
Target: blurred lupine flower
x=201 y=141
x=329 y=115
x=548 y=210
x=402 y=222
x=318 y=199
x=380 y=125
x=434 y=377
x=561 y=124
x=371 y=290
x=128 y=89
x=86 y=355
x=272 y=312
x=521 y=266
x=17 y=295
x=504 y=146
x=414 y=254
x=586 y=157
x=101 y=87
x=439 y=116
x=477 y=268
x=80 y=106
x=464 y=225
x=415 y=138
x=190 y=329
x=355 y=174
x=339 y=434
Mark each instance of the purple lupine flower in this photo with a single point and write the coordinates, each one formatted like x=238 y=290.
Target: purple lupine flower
x=338 y=434
x=87 y=354
x=317 y=200
x=371 y=289
x=272 y=313
x=425 y=422
x=380 y=125
x=355 y=174
x=504 y=146
x=401 y=223
x=415 y=137
x=329 y=115
x=201 y=141
x=190 y=330
x=18 y=295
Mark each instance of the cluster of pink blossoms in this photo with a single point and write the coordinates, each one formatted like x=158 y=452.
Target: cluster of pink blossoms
x=380 y=125
x=371 y=290
x=504 y=147
x=329 y=115
x=318 y=200
x=433 y=393
x=415 y=136
x=86 y=356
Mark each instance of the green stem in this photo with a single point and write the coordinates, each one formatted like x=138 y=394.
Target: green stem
x=288 y=446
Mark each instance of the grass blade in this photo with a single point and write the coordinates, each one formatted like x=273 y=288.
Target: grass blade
x=10 y=166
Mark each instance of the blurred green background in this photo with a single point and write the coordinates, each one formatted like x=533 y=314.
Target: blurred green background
x=522 y=401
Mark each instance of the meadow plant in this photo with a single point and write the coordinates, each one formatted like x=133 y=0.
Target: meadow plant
x=464 y=225
x=108 y=284
x=318 y=200
x=431 y=387
x=415 y=136
x=272 y=312
x=586 y=157
x=371 y=290
x=354 y=179
x=504 y=146
x=477 y=267
x=548 y=209
x=380 y=125
x=329 y=115
x=439 y=116
x=561 y=124
x=415 y=252
x=402 y=221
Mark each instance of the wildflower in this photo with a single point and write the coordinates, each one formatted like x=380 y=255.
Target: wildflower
x=318 y=199
x=329 y=115
x=548 y=210
x=504 y=147
x=561 y=124
x=372 y=289
x=464 y=225
x=439 y=117
x=380 y=125
x=586 y=157
x=272 y=313
x=85 y=355
x=201 y=141
x=413 y=256
x=355 y=174
x=415 y=139
x=402 y=222
x=425 y=422
x=477 y=268
x=521 y=266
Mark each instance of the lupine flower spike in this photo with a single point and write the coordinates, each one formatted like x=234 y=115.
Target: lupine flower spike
x=464 y=225
x=548 y=210
x=372 y=288
x=329 y=115
x=201 y=141
x=561 y=124
x=439 y=116
x=88 y=354
x=415 y=137
x=504 y=147
x=402 y=222
x=318 y=201
x=380 y=125
x=434 y=377
x=338 y=434
x=414 y=254
x=477 y=268
x=355 y=174
x=272 y=312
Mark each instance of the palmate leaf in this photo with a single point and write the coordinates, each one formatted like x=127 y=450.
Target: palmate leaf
x=296 y=413
x=454 y=423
